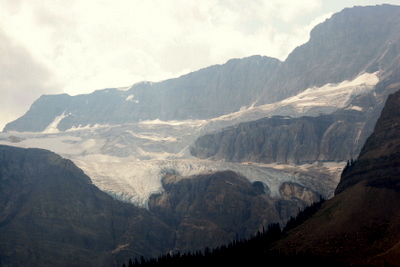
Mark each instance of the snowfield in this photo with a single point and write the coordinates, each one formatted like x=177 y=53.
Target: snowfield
x=128 y=161
x=311 y=102
x=136 y=181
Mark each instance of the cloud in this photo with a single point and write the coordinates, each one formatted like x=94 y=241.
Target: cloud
x=22 y=80
x=95 y=44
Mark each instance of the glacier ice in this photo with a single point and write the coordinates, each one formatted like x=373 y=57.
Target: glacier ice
x=128 y=161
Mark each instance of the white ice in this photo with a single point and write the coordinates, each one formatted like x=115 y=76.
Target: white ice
x=128 y=161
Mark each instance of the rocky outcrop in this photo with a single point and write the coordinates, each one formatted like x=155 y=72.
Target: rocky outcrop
x=360 y=225
x=213 y=209
x=335 y=137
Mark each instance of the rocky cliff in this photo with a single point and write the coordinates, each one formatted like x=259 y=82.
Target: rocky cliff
x=213 y=209
x=360 y=224
x=333 y=137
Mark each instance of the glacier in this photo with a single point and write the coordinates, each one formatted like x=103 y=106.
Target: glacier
x=128 y=161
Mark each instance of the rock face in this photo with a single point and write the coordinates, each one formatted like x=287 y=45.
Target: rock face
x=51 y=215
x=213 y=209
x=352 y=42
x=334 y=137
x=360 y=224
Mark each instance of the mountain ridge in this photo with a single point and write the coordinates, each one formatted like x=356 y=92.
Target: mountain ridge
x=253 y=81
x=147 y=163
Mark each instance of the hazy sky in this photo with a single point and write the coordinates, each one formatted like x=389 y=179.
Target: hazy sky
x=76 y=47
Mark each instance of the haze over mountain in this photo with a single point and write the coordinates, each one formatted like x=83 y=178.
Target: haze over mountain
x=274 y=134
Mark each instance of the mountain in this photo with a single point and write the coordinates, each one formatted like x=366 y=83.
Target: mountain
x=213 y=209
x=360 y=224
x=272 y=137
x=52 y=215
x=321 y=123
x=379 y=157
x=357 y=227
x=204 y=94
x=352 y=42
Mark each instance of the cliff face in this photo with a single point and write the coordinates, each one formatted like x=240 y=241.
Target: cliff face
x=360 y=224
x=333 y=137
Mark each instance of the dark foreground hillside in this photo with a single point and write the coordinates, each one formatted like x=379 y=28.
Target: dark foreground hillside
x=51 y=215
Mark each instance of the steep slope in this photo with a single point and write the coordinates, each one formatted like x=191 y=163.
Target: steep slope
x=51 y=215
x=380 y=156
x=360 y=224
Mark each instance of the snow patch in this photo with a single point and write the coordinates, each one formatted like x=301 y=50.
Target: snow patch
x=130 y=98
x=195 y=123
x=52 y=128
x=311 y=102
x=154 y=137
x=126 y=88
x=356 y=108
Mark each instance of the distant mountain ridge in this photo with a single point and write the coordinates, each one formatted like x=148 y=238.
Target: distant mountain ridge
x=207 y=93
x=339 y=49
